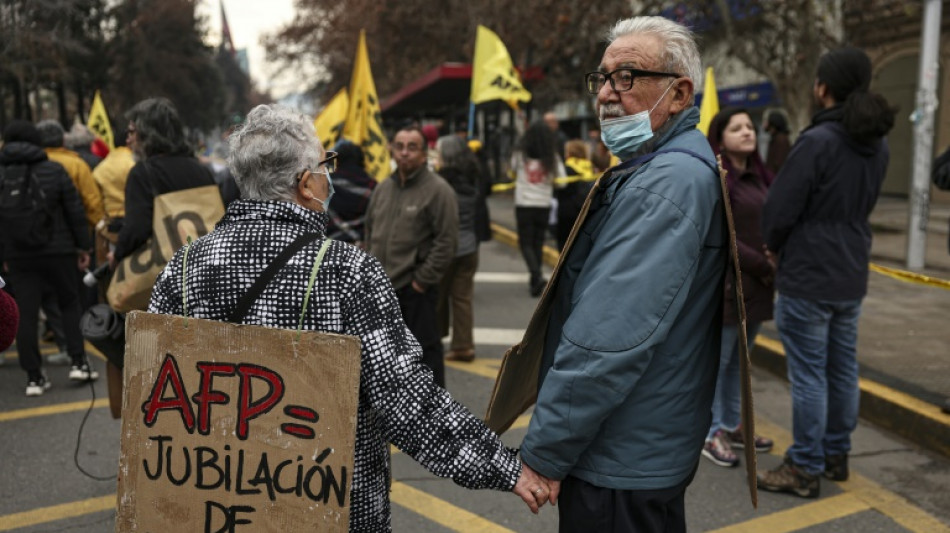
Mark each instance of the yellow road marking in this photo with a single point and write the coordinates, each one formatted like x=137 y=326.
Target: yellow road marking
x=49 y=349
x=487 y=368
x=51 y=409
x=802 y=516
x=896 y=397
x=898 y=508
x=57 y=512
x=442 y=512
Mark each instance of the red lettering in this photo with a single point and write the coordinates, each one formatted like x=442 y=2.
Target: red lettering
x=169 y=375
x=249 y=409
x=206 y=395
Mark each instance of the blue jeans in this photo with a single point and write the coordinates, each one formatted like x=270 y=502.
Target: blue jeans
x=820 y=339
x=728 y=399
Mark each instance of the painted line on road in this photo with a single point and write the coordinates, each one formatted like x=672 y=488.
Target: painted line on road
x=501 y=277
x=498 y=336
x=888 y=503
x=905 y=401
x=869 y=494
x=441 y=511
x=486 y=368
x=802 y=516
x=54 y=409
x=57 y=512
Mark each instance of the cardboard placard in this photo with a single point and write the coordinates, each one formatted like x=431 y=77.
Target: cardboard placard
x=231 y=428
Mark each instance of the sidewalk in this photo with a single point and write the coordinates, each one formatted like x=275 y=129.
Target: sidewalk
x=904 y=332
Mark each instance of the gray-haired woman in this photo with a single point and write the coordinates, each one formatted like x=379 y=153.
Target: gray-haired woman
x=284 y=177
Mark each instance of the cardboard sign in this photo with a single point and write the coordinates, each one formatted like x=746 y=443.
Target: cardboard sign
x=230 y=428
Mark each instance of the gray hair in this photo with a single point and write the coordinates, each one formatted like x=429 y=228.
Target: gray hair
x=79 y=136
x=51 y=133
x=267 y=153
x=681 y=55
x=158 y=128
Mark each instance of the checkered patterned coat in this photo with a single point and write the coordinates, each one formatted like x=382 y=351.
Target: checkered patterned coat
x=398 y=401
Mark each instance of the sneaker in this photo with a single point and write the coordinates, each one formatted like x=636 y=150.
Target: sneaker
x=789 y=478
x=37 y=386
x=58 y=359
x=719 y=451
x=762 y=444
x=83 y=372
x=836 y=467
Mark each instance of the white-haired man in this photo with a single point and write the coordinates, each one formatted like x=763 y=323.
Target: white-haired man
x=632 y=343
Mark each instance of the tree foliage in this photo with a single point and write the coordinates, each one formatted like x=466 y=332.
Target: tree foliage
x=58 y=52
x=407 y=39
x=782 y=41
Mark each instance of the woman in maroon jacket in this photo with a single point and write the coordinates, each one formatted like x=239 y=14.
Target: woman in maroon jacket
x=733 y=136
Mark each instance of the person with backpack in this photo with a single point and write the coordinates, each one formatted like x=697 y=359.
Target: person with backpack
x=44 y=240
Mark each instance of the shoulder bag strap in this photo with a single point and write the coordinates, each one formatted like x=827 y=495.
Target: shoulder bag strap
x=244 y=305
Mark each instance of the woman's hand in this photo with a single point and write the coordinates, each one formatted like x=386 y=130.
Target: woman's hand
x=535 y=489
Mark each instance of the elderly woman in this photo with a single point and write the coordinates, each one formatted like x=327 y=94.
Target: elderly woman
x=284 y=177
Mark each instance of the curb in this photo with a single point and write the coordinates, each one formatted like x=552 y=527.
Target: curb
x=917 y=421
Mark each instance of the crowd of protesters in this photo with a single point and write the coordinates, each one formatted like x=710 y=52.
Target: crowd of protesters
x=646 y=307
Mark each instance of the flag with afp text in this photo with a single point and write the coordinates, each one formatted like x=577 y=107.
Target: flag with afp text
x=364 y=121
x=493 y=74
x=98 y=121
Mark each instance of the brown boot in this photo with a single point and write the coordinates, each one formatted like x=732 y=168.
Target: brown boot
x=462 y=356
x=789 y=478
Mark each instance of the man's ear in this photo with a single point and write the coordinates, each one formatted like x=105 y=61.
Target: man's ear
x=682 y=94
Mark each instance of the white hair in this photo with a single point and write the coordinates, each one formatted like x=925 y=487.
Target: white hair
x=681 y=55
x=270 y=150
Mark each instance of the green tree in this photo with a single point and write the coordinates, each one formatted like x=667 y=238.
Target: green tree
x=158 y=51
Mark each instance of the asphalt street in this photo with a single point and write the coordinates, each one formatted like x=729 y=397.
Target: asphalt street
x=895 y=487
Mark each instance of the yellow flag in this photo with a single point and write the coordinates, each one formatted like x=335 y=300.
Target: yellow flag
x=493 y=75
x=364 y=122
x=329 y=123
x=710 y=104
x=98 y=121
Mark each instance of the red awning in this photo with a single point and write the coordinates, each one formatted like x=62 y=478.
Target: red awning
x=444 y=88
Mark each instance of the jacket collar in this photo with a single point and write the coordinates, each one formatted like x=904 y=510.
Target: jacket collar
x=21 y=153
x=243 y=211
x=675 y=125
x=413 y=178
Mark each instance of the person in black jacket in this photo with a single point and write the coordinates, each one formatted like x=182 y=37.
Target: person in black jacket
x=31 y=269
x=165 y=164
x=353 y=189
x=816 y=220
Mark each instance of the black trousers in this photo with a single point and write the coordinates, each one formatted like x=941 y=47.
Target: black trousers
x=30 y=277
x=419 y=312
x=584 y=507
x=532 y=224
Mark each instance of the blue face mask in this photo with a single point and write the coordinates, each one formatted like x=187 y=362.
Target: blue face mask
x=326 y=203
x=624 y=135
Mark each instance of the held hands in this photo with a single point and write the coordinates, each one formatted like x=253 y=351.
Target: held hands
x=536 y=489
x=82 y=260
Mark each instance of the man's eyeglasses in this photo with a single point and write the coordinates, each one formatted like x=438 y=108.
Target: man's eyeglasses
x=329 y=164
x=620 y=80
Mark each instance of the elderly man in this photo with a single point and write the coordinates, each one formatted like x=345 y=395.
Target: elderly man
x=632 y=343
x=412 y=227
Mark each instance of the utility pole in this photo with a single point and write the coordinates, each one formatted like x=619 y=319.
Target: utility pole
x=923 y=118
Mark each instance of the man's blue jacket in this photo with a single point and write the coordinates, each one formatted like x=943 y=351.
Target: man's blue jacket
x=632 y=347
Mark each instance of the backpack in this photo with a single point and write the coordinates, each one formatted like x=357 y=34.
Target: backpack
x=24 y=212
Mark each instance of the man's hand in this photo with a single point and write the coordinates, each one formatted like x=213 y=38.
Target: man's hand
x=83 y=262
x=111 y=258
x=535 y=489
x=418 y=288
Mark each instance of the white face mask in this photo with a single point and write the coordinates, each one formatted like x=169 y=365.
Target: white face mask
x=624 y=135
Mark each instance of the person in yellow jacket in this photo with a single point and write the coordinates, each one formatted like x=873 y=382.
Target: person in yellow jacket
x=111 y=175
x=52 y=136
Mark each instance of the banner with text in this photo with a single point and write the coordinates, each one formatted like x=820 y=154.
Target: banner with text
x=231 y=428
x=329 y=123
x=98 y=121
